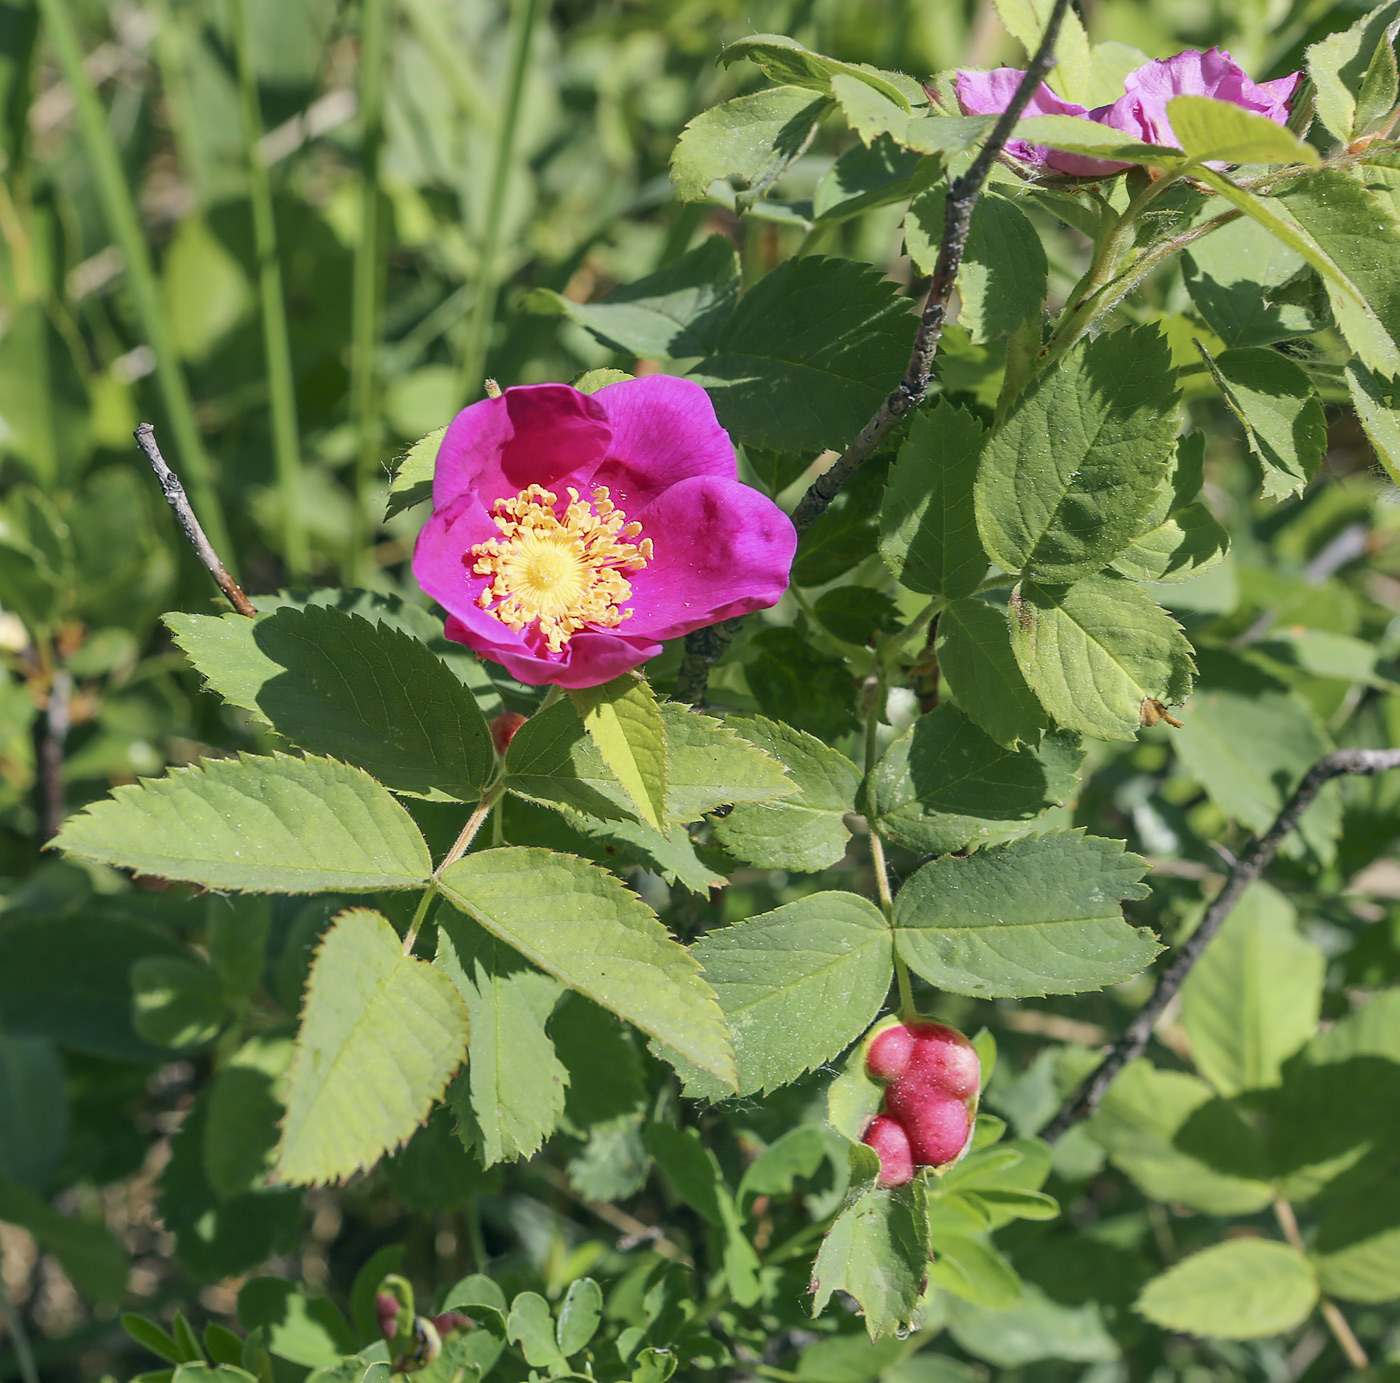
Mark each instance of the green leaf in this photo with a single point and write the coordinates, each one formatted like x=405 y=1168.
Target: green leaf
x=974 y=1271
x=1065 y=481
x=1254 y=997
x=268 y=825
x=974 y=654
x=624 y=723
x=928 y=528
x=177 y=1001
x=553 y=761
x=212 y=1373
x=1073 y=74
x=709 y=765
x=304 y=1330
x=68 y=979
x=1248 y=741
x=590 y=381
x=515 y=1081
x=806 y=831
x=1035 y=1328
x=808 y=355
x=413 y=476
x=579 y=1315
x=1240 y=276
x=333 y=683
x=89 y=1253
x=1357 y=1249
x=1036 y=916
x=1373 y=400
x=1224 y=132
x=877 y=1252
x=1188 y=544
x=33 y=1110
x=1358 y=236
x=1075 y=135
x=381 y=1034
x=219 y=1236
x=783 y=59
x=1339 y=64
x=798 y=984
x=944 y=785
x=1145 y=1119
x=676 y=312
x=1002 y=282
x=1239 y=1290
x=150 y=1336
x=751 y=138
x=240 y=1127
x=866 y=177
x=579 y=923
x=1282 y=417
x=794 y=681
x=1094 y=651
x=530 y=1326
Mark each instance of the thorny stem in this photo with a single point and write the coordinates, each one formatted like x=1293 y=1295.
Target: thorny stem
x=704 y=646
x=1331 y=1312
x=1252 y=863
x=175 y=496
x=474 y=824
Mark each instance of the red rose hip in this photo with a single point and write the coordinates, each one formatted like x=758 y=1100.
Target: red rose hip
x=936 y=1126
x=888 y=1055
x=943 y=1059
x=891 y=1144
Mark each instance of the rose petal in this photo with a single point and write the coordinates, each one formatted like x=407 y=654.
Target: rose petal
x=438 y=557
x=536 y=434
x=664 y=430
x=588 y=659
x=720 y=549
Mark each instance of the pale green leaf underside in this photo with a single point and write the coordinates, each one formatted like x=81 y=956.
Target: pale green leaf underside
x=798 y=984
x=516 y=1082
x=1239 y=1290
x=581 y=925
x=381 y=1034
x=413 y=480
x=265 y=825
x=1036 y=916
x=1253 y=998
x=624 y=723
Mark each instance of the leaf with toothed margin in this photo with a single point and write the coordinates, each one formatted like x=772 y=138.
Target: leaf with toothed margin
x=381 y=1034
x=264 y=825
x=580 y=924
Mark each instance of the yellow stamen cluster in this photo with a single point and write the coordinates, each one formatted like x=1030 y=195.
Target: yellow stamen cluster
x=560 y=572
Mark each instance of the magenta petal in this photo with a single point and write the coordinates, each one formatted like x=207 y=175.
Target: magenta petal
x=589 y=658
x=439 y=564
x=537 y=434
x=664 y=430
x=721 y=549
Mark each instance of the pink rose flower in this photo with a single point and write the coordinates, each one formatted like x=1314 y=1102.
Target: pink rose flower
x=1140 y=113
x=571 y=532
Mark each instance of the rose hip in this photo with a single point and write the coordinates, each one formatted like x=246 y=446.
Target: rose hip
x=503 y=729
x=931 y=1074
x=892 y=1144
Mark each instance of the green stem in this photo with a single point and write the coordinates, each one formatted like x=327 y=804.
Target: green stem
x=1085 y=302
x=425 y=904
x=24 y=1353
x=891 y=645
x=281 y=385
x=368 y=276
x=119 y=208
x=474 y=823
x=526 y=13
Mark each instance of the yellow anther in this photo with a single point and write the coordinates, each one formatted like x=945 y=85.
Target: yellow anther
x=559 y=572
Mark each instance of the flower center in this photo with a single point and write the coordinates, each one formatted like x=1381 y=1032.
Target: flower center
x=559 y=572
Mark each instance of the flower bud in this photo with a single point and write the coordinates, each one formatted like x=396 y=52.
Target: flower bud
x=503 y=729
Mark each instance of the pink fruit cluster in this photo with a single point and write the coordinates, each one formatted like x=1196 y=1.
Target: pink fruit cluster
x=932 y=1075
